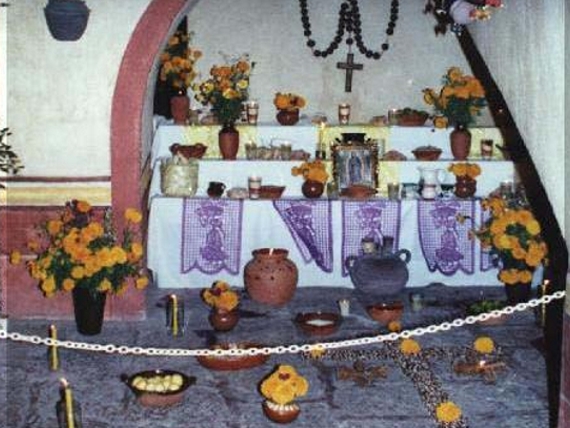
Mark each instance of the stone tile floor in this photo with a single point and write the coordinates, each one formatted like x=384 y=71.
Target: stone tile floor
x=518 y=398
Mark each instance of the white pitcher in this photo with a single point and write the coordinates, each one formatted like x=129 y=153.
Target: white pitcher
x=432 y=178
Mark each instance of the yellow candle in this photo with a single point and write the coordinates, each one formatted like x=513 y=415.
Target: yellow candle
x=68 y=397
x=543 y=308
x=174 y=314
x=321 y=133
x=53 y=352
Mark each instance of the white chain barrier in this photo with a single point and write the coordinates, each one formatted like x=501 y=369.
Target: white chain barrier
x=289 y=349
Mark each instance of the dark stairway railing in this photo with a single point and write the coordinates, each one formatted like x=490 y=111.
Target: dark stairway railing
x=557 y=267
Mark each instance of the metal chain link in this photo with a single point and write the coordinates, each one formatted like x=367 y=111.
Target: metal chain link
x=281 y=349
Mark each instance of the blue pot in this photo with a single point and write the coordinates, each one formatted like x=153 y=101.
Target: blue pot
x=66 y=19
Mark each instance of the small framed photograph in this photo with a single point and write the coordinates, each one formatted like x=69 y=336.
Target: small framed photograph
x=355 y=163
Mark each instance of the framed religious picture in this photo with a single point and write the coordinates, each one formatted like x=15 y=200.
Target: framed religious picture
x=355 y=163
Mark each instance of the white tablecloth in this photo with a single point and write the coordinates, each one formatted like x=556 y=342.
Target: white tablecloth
x=264 y=228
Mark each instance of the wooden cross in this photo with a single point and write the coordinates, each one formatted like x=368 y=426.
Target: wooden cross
x=349 y=65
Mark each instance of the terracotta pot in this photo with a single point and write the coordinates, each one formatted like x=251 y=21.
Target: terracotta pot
x=270 y=277
x=460 y=140
x=179 y=106
x=465 y=186
x=89 y=309
x=518 y=293
x=223 y=320
x=281 y=414
x=312 y=189
x=288 y=117
x=228 y=139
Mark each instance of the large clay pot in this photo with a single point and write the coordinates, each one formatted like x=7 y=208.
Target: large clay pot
x=465 y=186
x=179 y=106
x=460 y=140
x=270 y=277
x=288 y=117
x=228 y=139
x=223 y=320
x=518 y=293
x=312 y=189
x=89 y=309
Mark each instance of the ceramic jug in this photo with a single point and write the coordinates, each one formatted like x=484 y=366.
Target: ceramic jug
x=431 y=178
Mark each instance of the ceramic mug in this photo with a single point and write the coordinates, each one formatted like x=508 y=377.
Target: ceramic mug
x=216 y=189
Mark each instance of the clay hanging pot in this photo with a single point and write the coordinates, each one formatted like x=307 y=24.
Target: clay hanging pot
x=465 y=187
x=270 y=277
x=66 y=19
x=228 y=139
x=312 y=189
x=223 y=320
x=288 y=117
x=89 y=309
x=460 y=140
x=179 y=106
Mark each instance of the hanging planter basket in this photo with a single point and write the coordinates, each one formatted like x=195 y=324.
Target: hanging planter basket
x=66 y=19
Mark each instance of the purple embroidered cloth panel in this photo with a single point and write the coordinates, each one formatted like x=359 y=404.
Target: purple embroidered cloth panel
x=310 y=225
x=211 y=235
x=368 y=219
x=445 y=242
x=486 y=259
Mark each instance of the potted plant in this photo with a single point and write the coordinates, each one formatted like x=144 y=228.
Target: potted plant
x=80 y=253
x=315 y=175
x=465 y=177
x=280 y=389
x=288 y=106
x=459 y=101
x=224 y=302
x=225 y=91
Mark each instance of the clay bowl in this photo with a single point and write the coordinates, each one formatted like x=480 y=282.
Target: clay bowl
x=412 y=119
x=281 y=414
x=232 y=362
x=427 y=153
x=385 y=313
x=271 y=192
x=358 y=191
x=194 y=151
x=318 y=323
x=155 y=398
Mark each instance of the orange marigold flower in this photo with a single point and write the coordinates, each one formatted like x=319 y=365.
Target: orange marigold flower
x=410 y=347
x=15 y=257
x=447 y=412
x=141 y=282
x=484 y=345
x=133 y=215
x=83 y=206
x=68 y=284
x=54 y=227
x=394 y=326
x=105 y=285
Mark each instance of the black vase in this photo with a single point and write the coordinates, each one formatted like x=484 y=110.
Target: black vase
x=66 y=19
x=89 y=308
x=518 y=293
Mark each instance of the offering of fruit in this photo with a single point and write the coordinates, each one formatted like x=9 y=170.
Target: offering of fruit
x=158 y=388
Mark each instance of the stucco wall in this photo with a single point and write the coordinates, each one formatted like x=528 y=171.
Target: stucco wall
x=524 y=48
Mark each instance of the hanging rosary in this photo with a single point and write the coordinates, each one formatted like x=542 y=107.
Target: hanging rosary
x=349 y=22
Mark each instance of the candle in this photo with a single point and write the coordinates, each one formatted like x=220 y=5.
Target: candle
x=174 y=302
x=53 y=351
x=271 y=251
x=544 y=290
x=68 y=398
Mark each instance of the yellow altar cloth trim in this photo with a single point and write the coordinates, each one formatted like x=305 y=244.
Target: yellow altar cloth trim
x=54 y=195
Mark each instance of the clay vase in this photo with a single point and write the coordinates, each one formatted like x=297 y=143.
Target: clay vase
x=89 y=310
x=460 y=141
x=228 y=140
x=270 y=277
x=282 y=414
x=179 y=106
x=223 y=320
x=288 y=117
x=465 y=187
x=312 y=189
x=518 y=293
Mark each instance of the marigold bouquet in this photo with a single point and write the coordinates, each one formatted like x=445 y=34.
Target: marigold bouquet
x=220 y=296
x=226 y=89
x=512 y=234
x=178 y=62
x=283 y=385
x=461 y=98
x=289 y=101
x=311 y=170
x=78 y=250
x=465 y=169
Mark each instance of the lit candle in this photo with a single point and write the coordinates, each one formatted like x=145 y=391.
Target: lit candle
x=68 y=398
x=544 y=290
x=271 y=251
x=53 y=351
x=174 y=301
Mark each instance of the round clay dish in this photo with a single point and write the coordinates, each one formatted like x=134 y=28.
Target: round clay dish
x=159 y=399
x=385 y=313
x=232 y=362
x=318 y=323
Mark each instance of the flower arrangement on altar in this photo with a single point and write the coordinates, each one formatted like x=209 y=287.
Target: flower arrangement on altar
x=80 y=250
x=280 y=390
x=311 y=170
x=512 y=235
x=177 y=62
x=220 y=296
x=289 y=101
x=459 y=101
x=226 y=89
x=465 y=169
